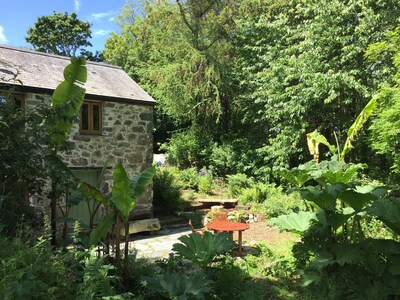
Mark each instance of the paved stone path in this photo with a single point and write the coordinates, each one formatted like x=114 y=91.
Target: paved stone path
x=157 y=246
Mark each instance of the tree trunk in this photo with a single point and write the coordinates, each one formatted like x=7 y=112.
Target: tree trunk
x=53 y=208
x=126 y=256
x=117 y=242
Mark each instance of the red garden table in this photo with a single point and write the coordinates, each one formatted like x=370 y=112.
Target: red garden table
x=228 y=226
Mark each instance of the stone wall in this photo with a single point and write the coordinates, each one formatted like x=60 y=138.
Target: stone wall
x=127 y=137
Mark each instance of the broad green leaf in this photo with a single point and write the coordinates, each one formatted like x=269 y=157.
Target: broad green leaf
x=323 y=196
x=357 y=125
x=102 y=173
x=347 y=253
x=101 y=230
x=179 y=286
x=121 y=192
x=66 y=101
x=315 y=137
x=310 y=278
x=139 y=183
x=203 y=249
x=322 y=260
x=76 y=71
x=339 y=219
x=388 y=211
x=295 y=222
x=92 y=192
x=359 y=197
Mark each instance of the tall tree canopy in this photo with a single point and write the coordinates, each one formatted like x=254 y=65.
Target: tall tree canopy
x=182 y=53
x=258 y=75
x=385 y=128
x=60 y=34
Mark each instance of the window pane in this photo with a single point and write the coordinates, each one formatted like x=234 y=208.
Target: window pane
x=96 y=117
x=85 y=117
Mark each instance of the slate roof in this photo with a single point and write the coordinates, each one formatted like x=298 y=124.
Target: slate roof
x=41 y=71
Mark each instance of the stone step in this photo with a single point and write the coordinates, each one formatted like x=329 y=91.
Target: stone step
x=173 y=221
x=226 y=203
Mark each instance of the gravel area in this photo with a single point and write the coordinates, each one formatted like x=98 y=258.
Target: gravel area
x=263 y=231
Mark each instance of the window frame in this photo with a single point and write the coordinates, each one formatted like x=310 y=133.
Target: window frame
x=90 y=130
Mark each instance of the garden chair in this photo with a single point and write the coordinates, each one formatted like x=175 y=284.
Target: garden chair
x=199 y=230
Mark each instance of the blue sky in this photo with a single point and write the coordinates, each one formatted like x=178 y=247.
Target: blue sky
x=18 y=15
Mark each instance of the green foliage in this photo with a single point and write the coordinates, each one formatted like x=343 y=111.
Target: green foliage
x=96 y=281
x=388 y=211
x=236 y=183
x=205 y=182
x=179 y=286
x=279 y=202
x=202 y=250
x=30 y=270
x=183 y=59
x=22 y=165
x=229 y=279
x=125 y=192
x=223 y=160
x=60 y=34
x=257 y=193
x=166 y=191
x=188 y=178
x=386 y=124
x=122 y=195
x=189 y=148
x=333 y=242
x=295 y=222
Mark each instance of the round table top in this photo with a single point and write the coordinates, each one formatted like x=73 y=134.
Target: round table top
x=227 y=226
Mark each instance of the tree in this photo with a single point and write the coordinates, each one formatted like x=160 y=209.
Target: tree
x=302 y=68
x=385 y=128
x=60 y=34
x=22 y=163
x=181 y=52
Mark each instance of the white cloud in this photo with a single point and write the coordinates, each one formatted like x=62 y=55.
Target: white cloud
x=101 y=32
x=102 y=15
x=111 y=19
x=3 y=38
x=77 y=5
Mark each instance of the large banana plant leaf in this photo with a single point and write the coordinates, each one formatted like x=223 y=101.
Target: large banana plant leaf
x=357 y=125
x=139 y=183
x=101 y=230
x=314 y=138
x=201 y=250
x=68 y=96
x=92 y=192
x=121 y=192
x=125 y=192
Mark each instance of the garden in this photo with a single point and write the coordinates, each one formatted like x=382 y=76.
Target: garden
x=291 y=108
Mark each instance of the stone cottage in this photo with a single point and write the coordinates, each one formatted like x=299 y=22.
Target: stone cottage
x=116 y=120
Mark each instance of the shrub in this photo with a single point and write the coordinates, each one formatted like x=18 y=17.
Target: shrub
x=256 y=194
x=32 y=270
x=205 y=182
x=270 y=200
x=166 y=191
x=96 y=278
x=223 y=160
x=189 y=148
x=279 y=202
x=189 y=178
x=236 y=183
